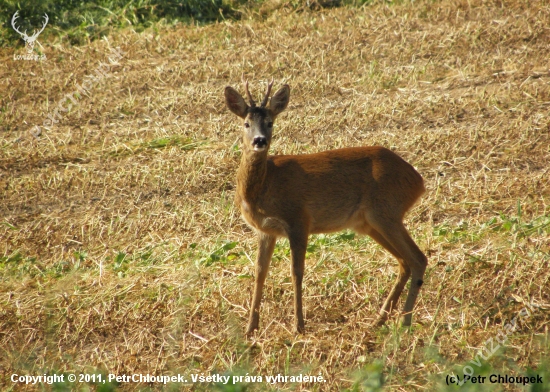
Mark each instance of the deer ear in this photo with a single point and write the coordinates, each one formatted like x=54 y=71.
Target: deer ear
x=279 y=101
x=235 y=102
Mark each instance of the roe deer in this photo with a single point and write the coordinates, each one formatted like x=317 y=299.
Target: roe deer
x=367 y=189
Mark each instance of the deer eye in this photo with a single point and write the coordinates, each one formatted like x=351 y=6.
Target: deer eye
x=246 y=125
x=270 y=124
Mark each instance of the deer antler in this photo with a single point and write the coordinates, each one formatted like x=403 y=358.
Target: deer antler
x=15 y=16
x=245 y=83
x=43 y=27
x=266 y=98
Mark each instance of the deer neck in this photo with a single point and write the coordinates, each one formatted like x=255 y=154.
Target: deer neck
x=251 y=175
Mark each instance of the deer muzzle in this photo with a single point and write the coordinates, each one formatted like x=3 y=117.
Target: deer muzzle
x=259 y=142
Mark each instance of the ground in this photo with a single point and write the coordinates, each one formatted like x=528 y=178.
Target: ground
x=121 y=251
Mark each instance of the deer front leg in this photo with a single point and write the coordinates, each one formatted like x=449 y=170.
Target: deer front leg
x=266 y=244
x=298 y=246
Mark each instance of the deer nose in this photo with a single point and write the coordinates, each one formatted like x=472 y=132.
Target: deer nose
x=259 y=141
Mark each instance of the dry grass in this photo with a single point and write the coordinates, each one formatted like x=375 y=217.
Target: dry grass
x=122 y=251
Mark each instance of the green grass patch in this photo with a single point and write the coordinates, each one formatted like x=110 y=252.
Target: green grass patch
x=222 y=253
x=502 y=223
x=17 y=266
x=82 y=21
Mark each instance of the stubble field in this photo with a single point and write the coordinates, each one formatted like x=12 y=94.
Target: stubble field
x=121 y=250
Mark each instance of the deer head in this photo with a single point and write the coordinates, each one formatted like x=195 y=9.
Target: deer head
x=29 y=41
x=258 y=120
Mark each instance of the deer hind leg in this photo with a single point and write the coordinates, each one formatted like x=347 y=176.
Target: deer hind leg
x=412 y=259
x=402 y=278
x=266 y=244
x=298 y=246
